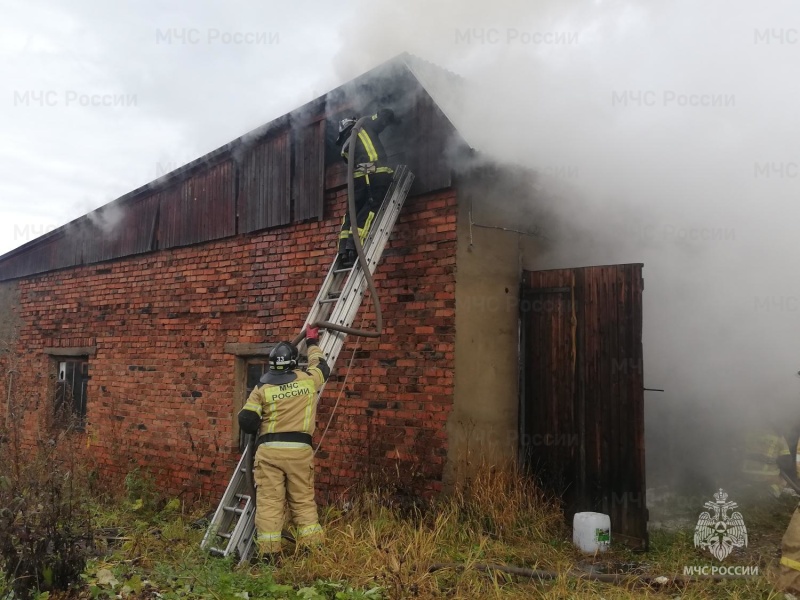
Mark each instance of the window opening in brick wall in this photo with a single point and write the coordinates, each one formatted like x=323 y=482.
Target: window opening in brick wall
x=254 y=369
x=69 y=402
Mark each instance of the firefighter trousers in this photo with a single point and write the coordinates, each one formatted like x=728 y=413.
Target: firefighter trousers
x=284 y=472
x=369 y=191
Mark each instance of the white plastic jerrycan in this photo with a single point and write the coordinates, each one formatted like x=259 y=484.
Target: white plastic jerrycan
x=591 y=532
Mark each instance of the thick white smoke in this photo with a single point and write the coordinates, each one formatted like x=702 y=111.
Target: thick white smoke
x=674 y=126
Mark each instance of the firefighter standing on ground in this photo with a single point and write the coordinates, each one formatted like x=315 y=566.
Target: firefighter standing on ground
x=767 y=460
x=372 y=177
x=789 y=566
x=282 y=410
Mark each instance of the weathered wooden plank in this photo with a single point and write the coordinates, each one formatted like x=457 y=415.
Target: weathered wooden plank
x=264 y=198
x=598 y=397
x=308 y=180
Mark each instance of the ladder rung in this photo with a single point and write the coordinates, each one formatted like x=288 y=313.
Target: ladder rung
x=238 y=511
x=217 y=551
x=227 y=536
x=328 y=300
x=346 y=270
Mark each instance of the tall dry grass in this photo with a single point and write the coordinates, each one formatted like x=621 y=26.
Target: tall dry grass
x=380 y=540
x=498 y=517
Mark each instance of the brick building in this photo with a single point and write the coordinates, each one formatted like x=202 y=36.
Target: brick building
x=153 y=315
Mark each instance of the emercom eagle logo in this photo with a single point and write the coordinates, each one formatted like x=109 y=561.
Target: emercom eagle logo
x=720 y=533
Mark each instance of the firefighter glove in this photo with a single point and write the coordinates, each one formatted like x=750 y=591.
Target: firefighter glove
x=249 y=421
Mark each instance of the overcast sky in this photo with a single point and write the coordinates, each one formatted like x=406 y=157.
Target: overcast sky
x=674 y=122
x=181 y=79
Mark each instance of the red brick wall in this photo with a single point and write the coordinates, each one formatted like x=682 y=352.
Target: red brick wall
x=161 y=390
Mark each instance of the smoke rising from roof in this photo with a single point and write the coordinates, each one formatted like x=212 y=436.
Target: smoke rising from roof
x=673 y=128
x=107 y=218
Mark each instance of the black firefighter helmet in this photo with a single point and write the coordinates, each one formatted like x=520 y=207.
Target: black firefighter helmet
x=283 y=357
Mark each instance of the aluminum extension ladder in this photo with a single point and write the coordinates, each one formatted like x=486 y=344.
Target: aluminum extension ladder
x=232 y=528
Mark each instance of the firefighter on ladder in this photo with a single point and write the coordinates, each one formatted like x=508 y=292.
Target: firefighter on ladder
x=372 y=177
x=282 y=410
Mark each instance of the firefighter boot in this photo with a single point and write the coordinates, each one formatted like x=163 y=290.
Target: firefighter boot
x=348 y=259
x=273 y=559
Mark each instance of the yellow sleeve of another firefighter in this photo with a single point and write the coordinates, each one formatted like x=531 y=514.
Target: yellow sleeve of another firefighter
x=317 y=367
x=251 y=413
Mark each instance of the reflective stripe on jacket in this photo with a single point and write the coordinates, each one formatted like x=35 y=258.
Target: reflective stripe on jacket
x=369 y=148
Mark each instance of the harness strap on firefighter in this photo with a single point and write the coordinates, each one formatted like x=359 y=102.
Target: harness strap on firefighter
x=365 y=169
x=297 y=437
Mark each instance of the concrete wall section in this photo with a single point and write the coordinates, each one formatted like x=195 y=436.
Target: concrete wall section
x=483 y=424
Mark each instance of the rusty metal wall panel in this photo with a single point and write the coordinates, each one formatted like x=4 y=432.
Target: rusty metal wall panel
x=52 y=253
x=199 y=209
x=112 y=231
x=193 y=208
x=308 y=180
x=120 y=229
x=264 y=185
x=582 y=410
x=57 y=250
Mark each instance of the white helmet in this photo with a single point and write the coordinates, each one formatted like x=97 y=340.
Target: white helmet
x=345 y=126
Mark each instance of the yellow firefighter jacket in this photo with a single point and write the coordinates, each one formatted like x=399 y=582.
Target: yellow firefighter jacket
x=762 y=450
x=288 y=403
